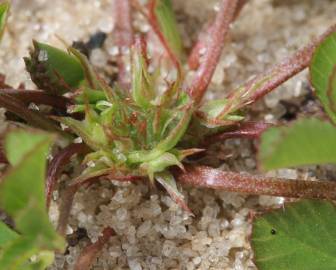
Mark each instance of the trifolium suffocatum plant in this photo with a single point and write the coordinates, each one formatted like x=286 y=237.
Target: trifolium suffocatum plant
x=145 y=125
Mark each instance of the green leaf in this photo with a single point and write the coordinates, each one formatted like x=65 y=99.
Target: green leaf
x=4 y=9
x=90 y=131
x=159 y=164
x=214 y=107
x=89 y=73
x=54 y=70
x=22 y=197
x=305 y=142
x=32 y=163
x=6 y=235
x=301 y=236
x=20 y=143
x=323 y=74
x=168 y=25
x=177 y=133
x=167 y=143
x=142 y=85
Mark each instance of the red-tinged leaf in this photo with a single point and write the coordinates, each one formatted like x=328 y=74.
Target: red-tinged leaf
x=214 y=46
x=123 y=33
x=245 y=130
x=264 y=83
x=167 y=180
x=142 y=85
x=53 y=70
x=56 y=166
x=91 y=252
x=165 y=16
x=182 y=154
x=202 y=176
x=155 y=24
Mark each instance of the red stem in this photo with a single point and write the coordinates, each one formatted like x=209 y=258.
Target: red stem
x=214 y=46
x=201 y=44
x=202 y=176
x=56 y=166
x=37 y=97
x=33 y=118
x=272 y=78
x=124 y=37
x=90 y=252
x=194 y=58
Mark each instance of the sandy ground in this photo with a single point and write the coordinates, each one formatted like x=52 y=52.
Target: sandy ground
x=152 y=232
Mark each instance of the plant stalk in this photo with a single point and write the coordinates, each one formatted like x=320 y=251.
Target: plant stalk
x=56 y=166
x=34 y=118
x=201 y=44
x=124 y=36
x=264 y=83
x=37 y=97
x=203 y=176
x=214 y=47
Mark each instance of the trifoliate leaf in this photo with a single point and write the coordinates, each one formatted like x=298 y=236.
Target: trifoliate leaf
x=300 y=236
x=20 y=143
x=305 y=142
x=323 y=74
x=22 y=198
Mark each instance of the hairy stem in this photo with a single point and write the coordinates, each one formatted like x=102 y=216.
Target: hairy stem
x=194 y=58
x=202 y=176
x=214 y=47
x=56 y=166
x=124 y=36
x=264 y=83
x=90 y=252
